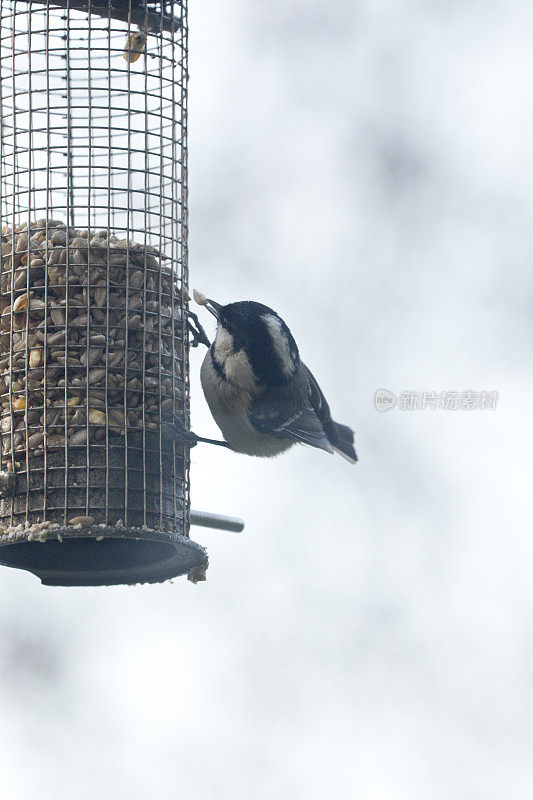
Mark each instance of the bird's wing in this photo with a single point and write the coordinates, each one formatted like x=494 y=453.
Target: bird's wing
x=340 y=437
x=318 y=402
x=290 y=419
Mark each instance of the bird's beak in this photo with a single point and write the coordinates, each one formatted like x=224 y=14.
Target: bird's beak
x=213 y=307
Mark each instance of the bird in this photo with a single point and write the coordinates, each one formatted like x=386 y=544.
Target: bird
x=262 y=396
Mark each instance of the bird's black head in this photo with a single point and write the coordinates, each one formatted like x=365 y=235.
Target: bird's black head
x=261 y=334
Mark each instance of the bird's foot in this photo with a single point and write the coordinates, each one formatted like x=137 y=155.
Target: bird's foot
x=199 y=336
x=184 y=436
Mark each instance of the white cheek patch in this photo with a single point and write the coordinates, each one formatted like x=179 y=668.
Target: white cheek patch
x=223 y=345
x=280 y=343
x=237 y=367
x=239 y=371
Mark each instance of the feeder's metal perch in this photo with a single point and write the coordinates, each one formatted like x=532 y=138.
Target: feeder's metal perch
x=94 y=339
x=218 y=521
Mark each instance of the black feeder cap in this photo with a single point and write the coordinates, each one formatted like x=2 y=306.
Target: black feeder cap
x=100 y=556
x=153 y=14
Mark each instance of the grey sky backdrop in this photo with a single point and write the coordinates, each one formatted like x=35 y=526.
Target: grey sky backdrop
x=365 y=168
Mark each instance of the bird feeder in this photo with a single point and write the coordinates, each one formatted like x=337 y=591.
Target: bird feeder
x=93 y=328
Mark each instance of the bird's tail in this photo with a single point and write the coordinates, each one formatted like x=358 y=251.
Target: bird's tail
x=342 y=439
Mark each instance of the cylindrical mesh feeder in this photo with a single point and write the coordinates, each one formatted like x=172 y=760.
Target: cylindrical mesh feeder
x=93 y=327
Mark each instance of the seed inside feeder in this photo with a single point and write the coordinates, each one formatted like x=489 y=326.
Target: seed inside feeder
x=135 y=47
x=98 y=321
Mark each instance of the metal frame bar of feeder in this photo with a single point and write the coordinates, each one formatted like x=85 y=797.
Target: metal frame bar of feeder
x=218 y=521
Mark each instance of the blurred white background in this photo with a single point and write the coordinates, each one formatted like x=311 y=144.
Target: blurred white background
x=365 y=168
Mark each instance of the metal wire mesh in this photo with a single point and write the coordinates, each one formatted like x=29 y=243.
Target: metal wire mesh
x=93 y=203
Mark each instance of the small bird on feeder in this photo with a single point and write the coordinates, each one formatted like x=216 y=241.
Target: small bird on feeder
x=261 y=395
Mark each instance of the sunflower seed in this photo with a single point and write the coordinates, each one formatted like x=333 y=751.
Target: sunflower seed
x=97 y=338
x=136 y=279
x=97 y=417
x=80 y=437
x=57 y=337
x=36 y=439
x=35 y=357
x=21 y=280
x=53 y=257
x=59 y=237
x=83 y=521
x=96 y=375
x=79 y=321
x=20 y=303
x=21 y=242
x=92 y=356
